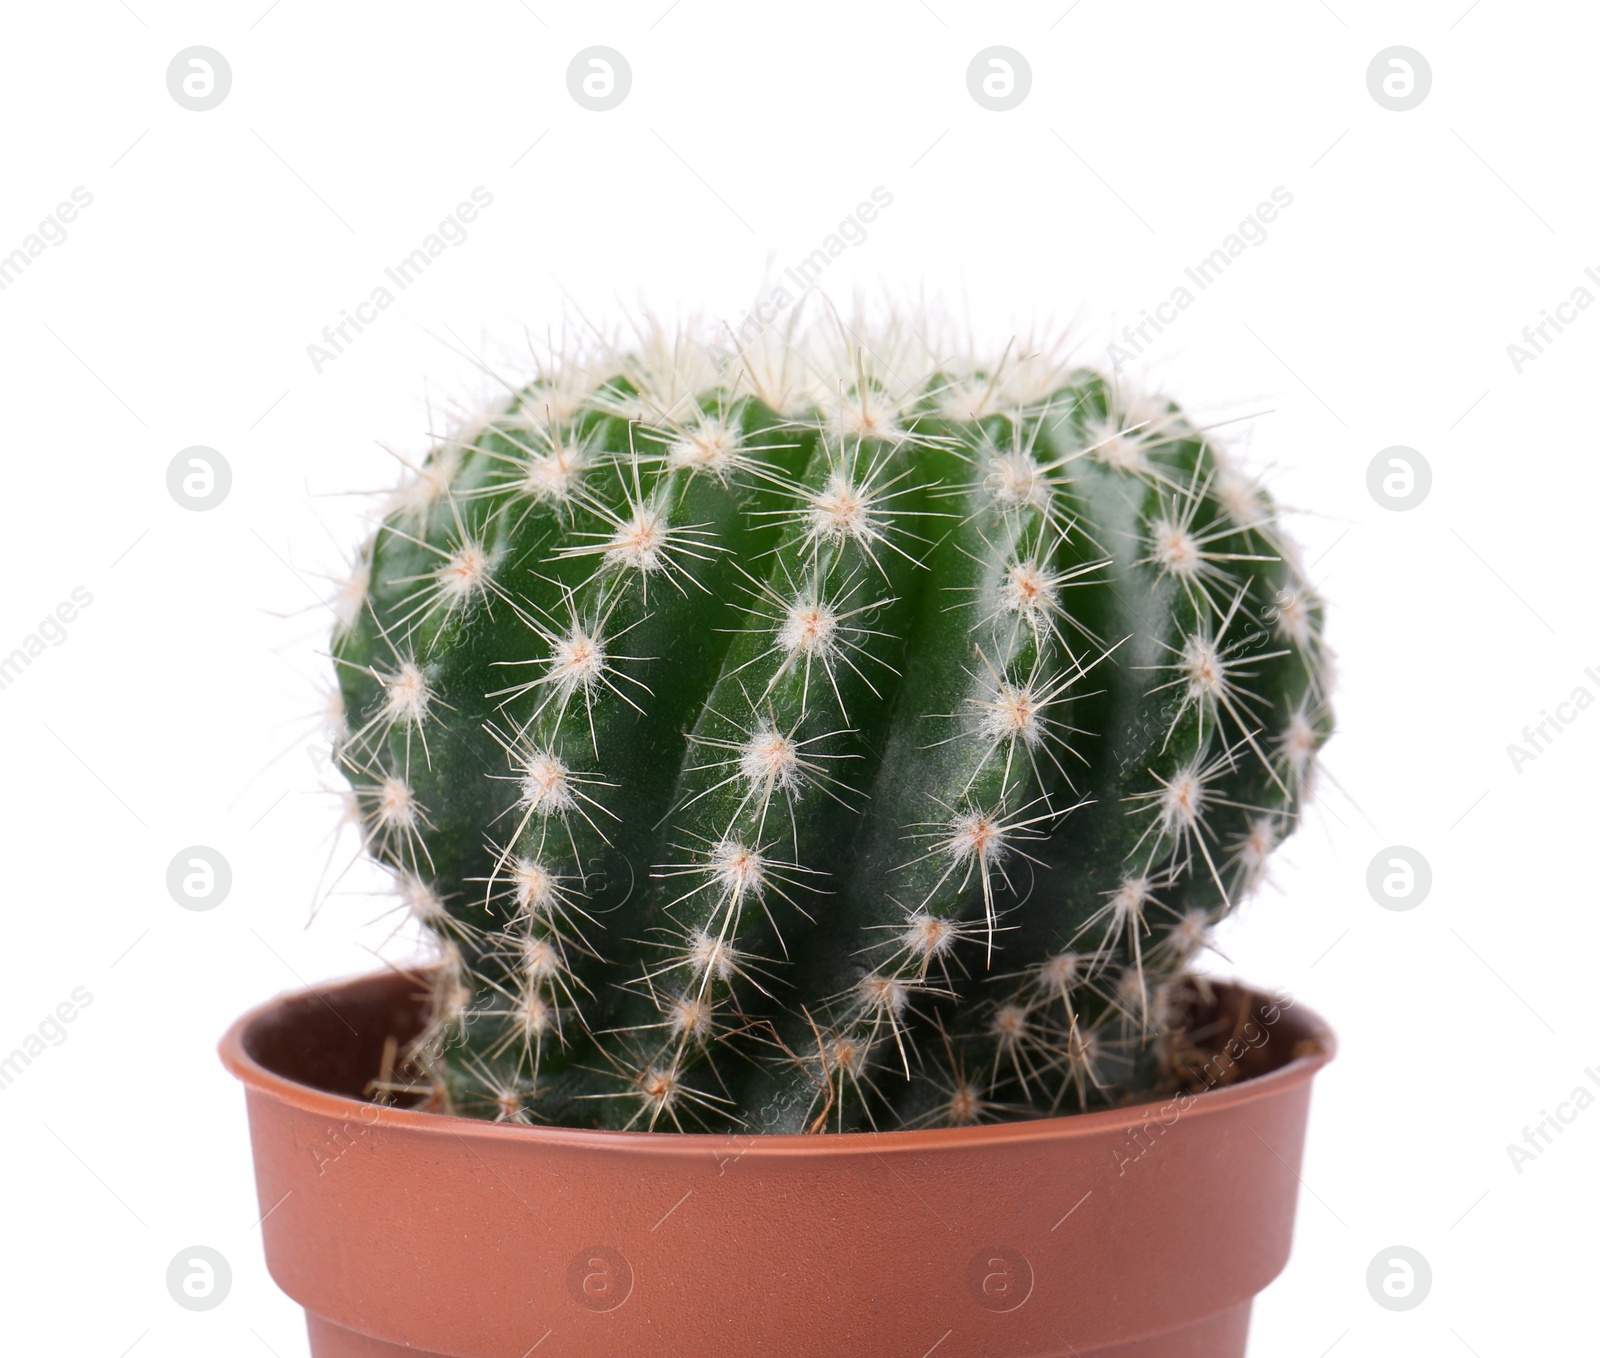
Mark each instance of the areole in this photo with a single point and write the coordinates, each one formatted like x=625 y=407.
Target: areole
x=1142 y=1232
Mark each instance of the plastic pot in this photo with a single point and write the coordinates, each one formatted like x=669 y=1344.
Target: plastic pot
x=1135 y=1233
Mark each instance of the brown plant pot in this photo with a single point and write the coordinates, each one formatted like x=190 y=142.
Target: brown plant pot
x=1135 y=1233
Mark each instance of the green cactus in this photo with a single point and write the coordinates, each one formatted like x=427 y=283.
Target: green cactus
x=823 y=736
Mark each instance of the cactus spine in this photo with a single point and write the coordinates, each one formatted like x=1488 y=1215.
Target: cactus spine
x=822 y=737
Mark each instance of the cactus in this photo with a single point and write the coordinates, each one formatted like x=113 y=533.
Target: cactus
x=821 y=736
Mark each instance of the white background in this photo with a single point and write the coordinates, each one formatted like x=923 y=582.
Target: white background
x=183 y=706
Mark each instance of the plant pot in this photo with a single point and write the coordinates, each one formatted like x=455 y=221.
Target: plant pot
x=1134 y=1233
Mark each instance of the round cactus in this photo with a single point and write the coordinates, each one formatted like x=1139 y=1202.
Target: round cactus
x=822 y=736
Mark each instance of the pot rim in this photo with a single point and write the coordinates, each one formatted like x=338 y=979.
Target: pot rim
x=1314 y=1037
